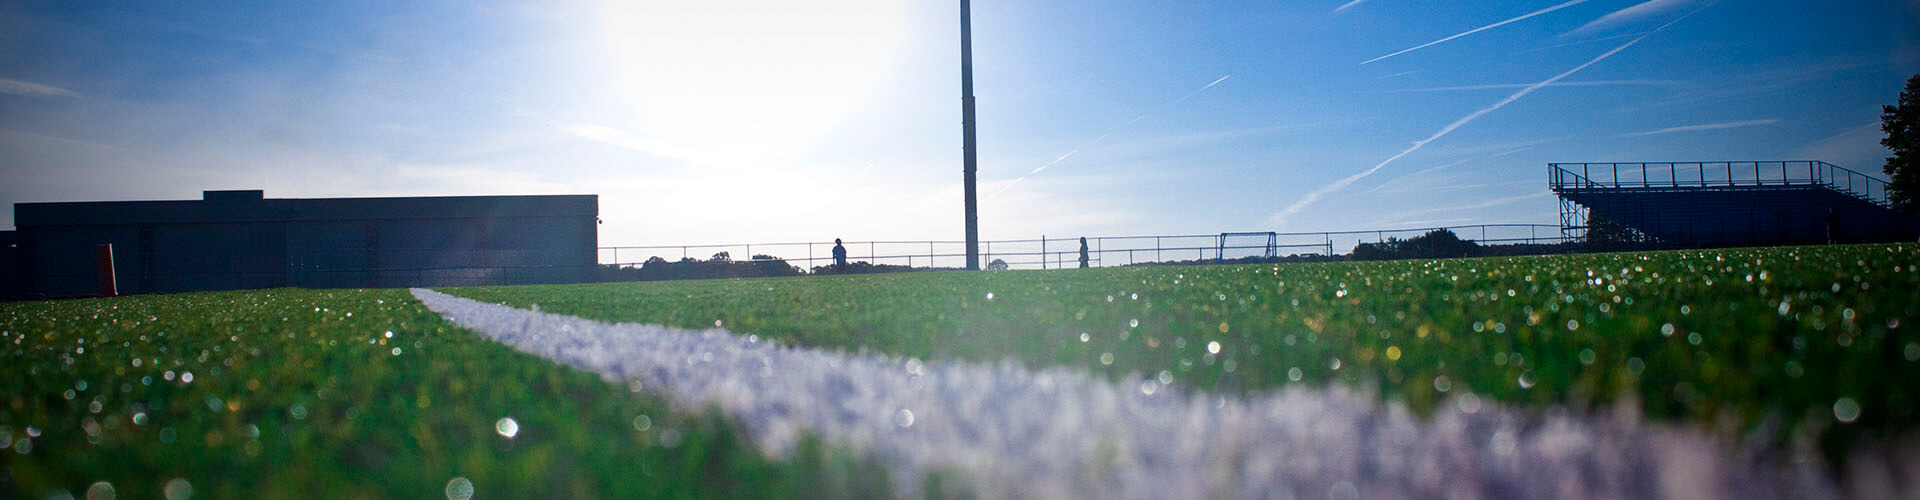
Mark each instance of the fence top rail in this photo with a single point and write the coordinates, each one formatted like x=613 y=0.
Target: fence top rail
x=1565 y=166
x=1211 y=237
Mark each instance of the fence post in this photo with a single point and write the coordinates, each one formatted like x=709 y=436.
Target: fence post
x=1043 y=252
x=872 y=255
x=103 y=261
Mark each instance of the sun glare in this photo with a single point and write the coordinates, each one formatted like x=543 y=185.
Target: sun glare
x=752 y=80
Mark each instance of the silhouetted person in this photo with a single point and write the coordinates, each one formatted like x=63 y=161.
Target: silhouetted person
x=1833 y=227
x=839 y=256
x=1083 y=252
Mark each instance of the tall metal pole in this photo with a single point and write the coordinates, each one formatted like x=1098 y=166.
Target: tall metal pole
x=969 y=150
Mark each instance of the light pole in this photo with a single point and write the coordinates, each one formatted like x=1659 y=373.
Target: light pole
x=968 y=149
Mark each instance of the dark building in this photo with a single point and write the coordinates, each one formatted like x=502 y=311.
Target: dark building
x=1720 y=204
x=239 y=239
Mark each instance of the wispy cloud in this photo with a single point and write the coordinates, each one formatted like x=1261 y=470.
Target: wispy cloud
x=1703 y=126
x=623 y=139
x=29 y=89
x=1589 y=83
x=1400 y=180
x=1314 y=196
x=1348 y=5
x=1628 y=15
x=1103 y=137
x=1477 y=205
x=1480 y=29
x=1394 y=75
x=1853 y=147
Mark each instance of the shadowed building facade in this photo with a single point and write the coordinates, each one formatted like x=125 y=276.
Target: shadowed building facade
x=241 y=240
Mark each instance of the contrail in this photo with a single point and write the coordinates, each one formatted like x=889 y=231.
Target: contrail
x=1104 y=136
x=1482 y=28
x=1280 y=218
x=1345 y=6
x=1701 y=127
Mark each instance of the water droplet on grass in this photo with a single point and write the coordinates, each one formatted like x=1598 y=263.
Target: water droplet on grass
x=1294 y=374
x=507 y=427
x=642 y=423
x=1106 y=358
x=1212 y=347
x=178 y=489
x=1085 y=337
x=1527 y=380
x=903 y=418
x=101 y=491
x=1442 y=383
x=459 y=488
x=1846 y=410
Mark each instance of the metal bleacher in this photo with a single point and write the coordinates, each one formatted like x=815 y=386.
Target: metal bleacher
x=1709 y=204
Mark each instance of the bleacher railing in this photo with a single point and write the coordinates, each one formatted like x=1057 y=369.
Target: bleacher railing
x=1052 y=252
x=1574 y=177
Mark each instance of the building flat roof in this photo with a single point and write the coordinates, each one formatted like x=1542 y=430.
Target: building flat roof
x=252 y=206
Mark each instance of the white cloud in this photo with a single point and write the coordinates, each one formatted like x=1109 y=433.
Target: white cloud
x=30 y=89
x=621 y=138
x=1628 y=15
x=1702 y=127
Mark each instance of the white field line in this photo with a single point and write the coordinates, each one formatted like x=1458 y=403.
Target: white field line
x=1058 y=433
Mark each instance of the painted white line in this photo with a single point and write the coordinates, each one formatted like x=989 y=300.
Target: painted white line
x=1058 y=433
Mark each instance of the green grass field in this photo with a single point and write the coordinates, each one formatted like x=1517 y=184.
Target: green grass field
x=1816 y=339
x=303 y=394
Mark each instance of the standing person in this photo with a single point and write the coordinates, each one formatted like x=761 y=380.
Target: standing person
x=1083 y=252
x=1833 y=227
x=839 y=256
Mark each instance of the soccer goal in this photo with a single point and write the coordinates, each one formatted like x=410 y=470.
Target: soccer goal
x=1241 y=245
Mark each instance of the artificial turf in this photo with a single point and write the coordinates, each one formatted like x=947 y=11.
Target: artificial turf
x=1801 y=340
x=347 y=394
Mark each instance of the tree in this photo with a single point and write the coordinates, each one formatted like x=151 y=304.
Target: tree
x=1901 y=122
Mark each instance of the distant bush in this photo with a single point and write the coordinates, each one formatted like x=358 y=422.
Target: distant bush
x=721 y=266
x=864 y=267
x=1436 y=244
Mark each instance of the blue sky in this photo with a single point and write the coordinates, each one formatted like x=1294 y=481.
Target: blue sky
x=765 y=120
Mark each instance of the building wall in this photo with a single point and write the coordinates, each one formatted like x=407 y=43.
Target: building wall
x=223 y=244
